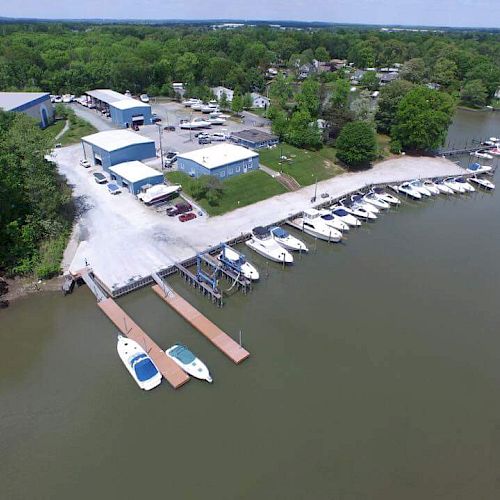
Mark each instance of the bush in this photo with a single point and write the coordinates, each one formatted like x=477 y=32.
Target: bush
x=51 y=253
x=357 y=144
x=395 y=147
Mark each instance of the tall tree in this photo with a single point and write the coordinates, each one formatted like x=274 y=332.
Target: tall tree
x=388 y=101
x=474 y=93
x=357 y=144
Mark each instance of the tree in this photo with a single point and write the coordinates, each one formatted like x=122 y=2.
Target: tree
x=474 y=93
x=388 y=101
x=357 y=144
x=422 y=119
x=279 y=122
x=237 y=103
x=280 y=90
x=362 y=55
x=308 y=97
x=488 y=73
x=321 y=54
x=413 y=70
x=362 y=107
x=247 y=101
x=302 y=131
x=209 y=187
x=223 y=101
x=340 y=94
x=370 y=80
x=337 y=118
x=445 y=72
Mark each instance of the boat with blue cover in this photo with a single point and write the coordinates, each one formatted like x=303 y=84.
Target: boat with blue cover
x=192 y=365
x=286 y=240
x=138 y=363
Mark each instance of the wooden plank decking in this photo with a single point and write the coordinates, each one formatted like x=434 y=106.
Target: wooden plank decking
x=175 y=376
x=211 y=331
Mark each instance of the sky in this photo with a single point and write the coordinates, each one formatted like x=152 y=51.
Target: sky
x=463 y=13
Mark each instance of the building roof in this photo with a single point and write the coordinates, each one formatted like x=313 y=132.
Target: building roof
x=107 y=95
x=255 y=95
x=134 y=171
x=112 y=140
x=218 y=156
x=254 y=135
x=10 y=101
x=129 y=103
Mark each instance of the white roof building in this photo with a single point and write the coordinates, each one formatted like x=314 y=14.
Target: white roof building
x=134 y=171
x=218 y=156
x=107 y=95
x=259 y=101
x=129 y=103
x=112 y=140
x=10 y=101
x=219 y=91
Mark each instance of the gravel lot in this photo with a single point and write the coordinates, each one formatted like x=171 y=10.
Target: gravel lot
x=126 y=240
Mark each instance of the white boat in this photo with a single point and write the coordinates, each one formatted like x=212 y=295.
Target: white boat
x=495 y=151
x=264 y=244
x=482 y=183
x=286 y=240
x=206 y=109
x=345 y=216
x=138 y=363
x=409 y=190
x=482 y=154
x=188 y=103
x=238 y=262
x=443 y=188
x=333 y=221
x=311 y=223
x=384 y=195
x=196 y=106
x=356 y=209
x=418 y=185
x=144 y=98
x=158 y=193
x=476 y=168
x=454 y=185
x=358 y=200
x=375 y=199
x=194 y=124
x=192 y=365
x=217 y=120
x=430 y=186
x=462 y=181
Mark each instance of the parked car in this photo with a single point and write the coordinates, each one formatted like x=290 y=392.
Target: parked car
x=85 y=163
x=169 y=128
x=218 y=136
x=204 y=140
x=114 y=188
x=100 y=178
x=171 y=158
x=135 y=127
x=186 y=217
x=179 y=208
x=155 y=118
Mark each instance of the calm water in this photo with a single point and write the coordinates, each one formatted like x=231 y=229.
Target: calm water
x=374 y=374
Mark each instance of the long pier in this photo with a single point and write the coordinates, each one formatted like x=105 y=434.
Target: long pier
x=168 y=368
x=211 y=331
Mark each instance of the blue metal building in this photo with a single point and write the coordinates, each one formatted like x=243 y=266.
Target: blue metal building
x=223 y=161
x=116 y=146
x=133 y=175
x=34 y=104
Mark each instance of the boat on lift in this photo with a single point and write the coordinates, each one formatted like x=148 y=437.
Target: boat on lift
x=264 y=244
x=311 y=223
x=356 y=209
x=476 y=168
x=418 y=185
x=333 y=221
x=443 y=188
x=430 y=186
x=238 y=262
x=138 y=363
x=286 y=240
x=482 y=183
x=384 y=195
x=463 y=182
x=374 y=199
x=359 y=200
x=454 y=185
x=192 y=365
x=345 y=216
x=409 y=190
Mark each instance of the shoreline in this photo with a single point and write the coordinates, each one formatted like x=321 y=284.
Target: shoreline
x=20 y=287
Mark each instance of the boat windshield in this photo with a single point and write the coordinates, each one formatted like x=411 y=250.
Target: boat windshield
x=340 y=212
x=143 y=367
x=280 y=233
x=460 y=179
x=417 y=183
x=327 y=217
x=474 y=166
x=183 y=354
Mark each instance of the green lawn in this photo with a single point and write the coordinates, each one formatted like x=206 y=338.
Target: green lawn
x=303 y=165
x=239 y=191
x=383 y=142
x=78 y=128
x=52 y=130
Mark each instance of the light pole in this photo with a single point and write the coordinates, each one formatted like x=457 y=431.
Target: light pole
x=161 y=146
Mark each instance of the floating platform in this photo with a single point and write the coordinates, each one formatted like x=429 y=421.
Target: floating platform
x=168 y=368
x=211 y=331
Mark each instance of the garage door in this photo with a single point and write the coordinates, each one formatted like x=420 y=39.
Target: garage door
x=138 y=119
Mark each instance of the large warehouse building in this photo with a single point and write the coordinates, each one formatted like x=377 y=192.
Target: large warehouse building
x=133 y=175
x=34 y=104
x=223 y=160
x=123 y=110
x=116 y=146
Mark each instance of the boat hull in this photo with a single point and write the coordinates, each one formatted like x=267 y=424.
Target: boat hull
x=196 y=369
x=281 y=255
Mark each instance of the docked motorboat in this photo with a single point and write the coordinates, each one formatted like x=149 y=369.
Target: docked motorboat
x=311 y=223
x=286 y=240
x=238 y=262
x=384 y=195
x=476 y=168
x=430 y=186
x=138 y=363
x=192 y=365
x=195 y=124
x=345 y=216
x=409 y=190
x=454 y=185
x=418 y=185
x=356 y=209
x=495 y=151
x=359 y=200
x=264 y=244
x=333 y=221
x=482 y=183
x=482 y=154
x=462 y=181
x=374 y=199
x=443 y=188
x=158 y=193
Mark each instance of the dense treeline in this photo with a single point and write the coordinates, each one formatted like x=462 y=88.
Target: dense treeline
x=35 y=205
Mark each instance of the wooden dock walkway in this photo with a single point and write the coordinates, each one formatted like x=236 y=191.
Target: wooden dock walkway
x=168 y=368
x=211 y=331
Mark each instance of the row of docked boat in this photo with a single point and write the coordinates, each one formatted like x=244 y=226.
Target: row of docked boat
x=143 y=369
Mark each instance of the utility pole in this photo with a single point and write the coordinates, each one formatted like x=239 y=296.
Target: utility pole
x=161 y=146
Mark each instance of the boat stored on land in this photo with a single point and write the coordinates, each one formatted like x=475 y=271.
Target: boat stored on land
x=311 y=223
x=138 y=363
x=158 y=193
x=192 y=365
x=194 y=124
x=238 y=262
x=482 y=183
x=286 y=240
x=264 y=244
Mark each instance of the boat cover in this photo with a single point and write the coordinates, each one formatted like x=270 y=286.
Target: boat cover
x=279 y=232
x=143 y=367
x=260 y=231
x=183 y=354
x=474 y=166
x=340 y=212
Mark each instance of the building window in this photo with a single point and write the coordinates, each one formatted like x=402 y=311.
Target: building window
x=223 y=174
x=230 y=171
x=238 y=168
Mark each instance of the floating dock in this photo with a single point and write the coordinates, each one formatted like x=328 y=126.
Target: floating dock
x=168 y=368
x=211 y=331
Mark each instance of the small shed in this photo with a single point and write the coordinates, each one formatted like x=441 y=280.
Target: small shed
x=133 y=175
x=254 y=139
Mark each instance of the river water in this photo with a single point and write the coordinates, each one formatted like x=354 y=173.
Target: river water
x=374 y=374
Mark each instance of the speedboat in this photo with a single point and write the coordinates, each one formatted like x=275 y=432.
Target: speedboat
x=482 y=183
x=158 y=193
x=430 y=186
x=454 y=185
x=138 y=363
x=443 y=188
x=197 y=106
x=192 y=365
x=194 y=124
x=238 y=262
x=311 y=223
x=476 y=168
x=482 y=154
x=418 y=185
x=462 y=181
x=345 y=216
x=217 y=120
x=409 y=190
x=495 y=151
x=264 y=244
x=358 y=199
x=356 y=209
x=384 y=195
x=333 y=221
x=375 y=199
x=286 y=240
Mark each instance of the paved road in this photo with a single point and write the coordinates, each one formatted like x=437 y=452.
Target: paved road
x=254 y=120
x=93 y=117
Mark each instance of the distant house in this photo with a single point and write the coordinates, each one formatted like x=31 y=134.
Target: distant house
x=337 y=64
x=178 y=88
x=357 y=75
x=254 y=139
x=433 y=86
x=386 y=78
x=220 y=91
x=305 y=70
x=259 y=101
